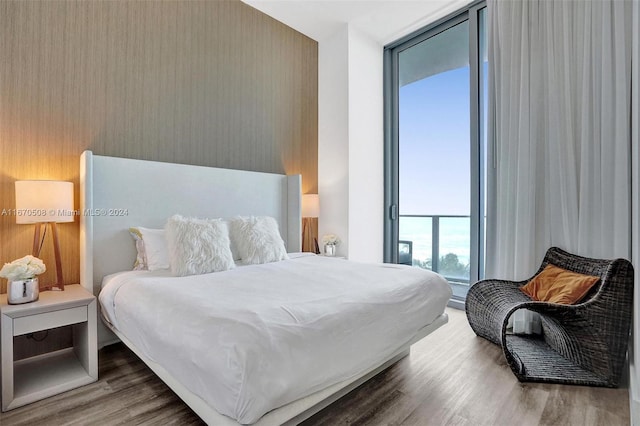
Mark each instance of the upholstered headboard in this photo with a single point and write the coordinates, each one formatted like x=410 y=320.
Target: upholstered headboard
x=118 y=193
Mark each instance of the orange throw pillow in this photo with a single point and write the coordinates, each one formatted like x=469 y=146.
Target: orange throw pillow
x=557 y=285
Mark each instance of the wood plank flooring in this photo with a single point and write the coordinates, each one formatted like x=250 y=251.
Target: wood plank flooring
x=450 y=378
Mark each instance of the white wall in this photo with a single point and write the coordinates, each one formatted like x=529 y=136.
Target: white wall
x=351 y=143
x=366 y=148
x=333 y=137
x=634 y=354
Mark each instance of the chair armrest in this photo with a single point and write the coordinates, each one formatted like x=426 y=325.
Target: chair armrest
x=489 y=303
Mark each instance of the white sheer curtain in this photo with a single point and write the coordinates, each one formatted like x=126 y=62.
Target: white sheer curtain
x=559 y=173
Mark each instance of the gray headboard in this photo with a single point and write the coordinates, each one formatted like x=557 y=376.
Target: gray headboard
x=118 y=193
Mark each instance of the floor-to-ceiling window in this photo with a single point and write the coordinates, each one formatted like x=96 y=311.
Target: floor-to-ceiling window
x=435 y=153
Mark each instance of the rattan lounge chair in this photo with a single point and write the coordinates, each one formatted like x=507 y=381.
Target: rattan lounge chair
x=581 y=344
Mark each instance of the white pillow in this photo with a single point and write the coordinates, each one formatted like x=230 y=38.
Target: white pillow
x=198 y=246
x=141 y=258
x=257 y=239
x=234 y=249
x=151 y=247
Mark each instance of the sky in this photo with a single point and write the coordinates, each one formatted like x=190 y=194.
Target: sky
x=434 y=151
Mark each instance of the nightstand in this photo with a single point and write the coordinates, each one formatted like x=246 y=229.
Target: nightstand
x=42 y=376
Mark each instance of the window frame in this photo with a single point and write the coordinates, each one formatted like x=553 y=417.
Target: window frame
x=391 y=135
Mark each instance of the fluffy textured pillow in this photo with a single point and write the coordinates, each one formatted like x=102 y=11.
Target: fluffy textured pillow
x=557 y=285
x=257 y=239
x=151 y=247
x=198 y=246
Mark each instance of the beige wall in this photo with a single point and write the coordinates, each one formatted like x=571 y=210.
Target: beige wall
x=213 y=83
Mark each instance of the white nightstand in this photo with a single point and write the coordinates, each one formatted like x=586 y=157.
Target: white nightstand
x=42 y=376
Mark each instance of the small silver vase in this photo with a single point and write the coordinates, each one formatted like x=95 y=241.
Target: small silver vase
x=329 y=250
x=23 y=291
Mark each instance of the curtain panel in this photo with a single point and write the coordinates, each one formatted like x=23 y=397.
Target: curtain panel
x=560 y=121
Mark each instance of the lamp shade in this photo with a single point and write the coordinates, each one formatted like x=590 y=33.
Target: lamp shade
x=44 y=201
x=310 y=205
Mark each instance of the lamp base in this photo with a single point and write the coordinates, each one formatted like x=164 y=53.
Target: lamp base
x=56 y=251
x=309 y=235
x=54 y=287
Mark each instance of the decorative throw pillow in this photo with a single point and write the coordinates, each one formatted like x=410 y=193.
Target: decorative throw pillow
x=257 y=239
x=198 y=246
x=151 y=247
x=557 y=285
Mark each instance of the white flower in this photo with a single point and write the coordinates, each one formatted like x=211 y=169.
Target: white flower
x=23 y=268
x=331 y=239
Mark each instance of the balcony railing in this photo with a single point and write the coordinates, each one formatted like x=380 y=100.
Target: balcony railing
x=436 y=223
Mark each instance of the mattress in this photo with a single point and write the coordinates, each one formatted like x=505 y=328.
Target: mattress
x=257 y=337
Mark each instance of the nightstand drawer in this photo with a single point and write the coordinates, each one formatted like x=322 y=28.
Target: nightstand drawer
x=49 y=320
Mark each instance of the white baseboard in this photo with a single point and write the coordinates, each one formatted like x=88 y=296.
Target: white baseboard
x=634 y=410
x=456 y=304
x=634 y=397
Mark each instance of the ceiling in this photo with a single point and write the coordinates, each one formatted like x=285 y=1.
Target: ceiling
x=382 y=20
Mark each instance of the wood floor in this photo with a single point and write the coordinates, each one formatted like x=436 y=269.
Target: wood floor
x=450 y=378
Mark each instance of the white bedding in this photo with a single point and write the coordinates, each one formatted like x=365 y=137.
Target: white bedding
x=254 y=338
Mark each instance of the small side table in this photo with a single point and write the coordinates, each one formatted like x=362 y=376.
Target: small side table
x=42 y=376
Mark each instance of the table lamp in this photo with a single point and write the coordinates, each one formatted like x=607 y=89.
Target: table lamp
x=310 y=213
x=45 y=202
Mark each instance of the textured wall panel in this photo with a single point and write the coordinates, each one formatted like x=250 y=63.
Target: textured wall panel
x=213 y=83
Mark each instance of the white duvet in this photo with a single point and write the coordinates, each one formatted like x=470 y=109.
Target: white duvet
x=257 y=337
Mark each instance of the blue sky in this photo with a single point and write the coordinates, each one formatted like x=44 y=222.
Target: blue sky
x=434 y=145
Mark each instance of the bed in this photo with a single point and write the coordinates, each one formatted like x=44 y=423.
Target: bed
x=254 y=366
